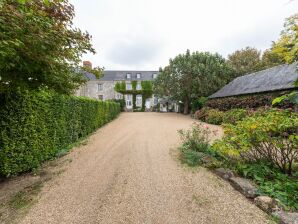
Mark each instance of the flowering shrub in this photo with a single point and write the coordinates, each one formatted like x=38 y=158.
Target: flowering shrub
x=271 y=136
x=214 y=116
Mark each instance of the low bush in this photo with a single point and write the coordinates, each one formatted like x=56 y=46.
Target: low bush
x=234 y=115
x=195 y=149
x=36 y=126
x=272 y=136
x=214 y=116
x=248 y=102
x=272 y=182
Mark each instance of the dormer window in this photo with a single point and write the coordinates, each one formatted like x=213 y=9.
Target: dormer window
x=138 y=75
x=154 y=76
x=128 y=76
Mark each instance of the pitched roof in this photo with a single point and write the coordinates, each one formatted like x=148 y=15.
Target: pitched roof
x=114 y=75
x=89 y=76
x=277 y=78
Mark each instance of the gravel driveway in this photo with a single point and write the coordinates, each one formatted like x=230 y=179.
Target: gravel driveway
x=129 y=173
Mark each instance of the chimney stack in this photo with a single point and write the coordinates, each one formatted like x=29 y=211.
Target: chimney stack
x=87 y=64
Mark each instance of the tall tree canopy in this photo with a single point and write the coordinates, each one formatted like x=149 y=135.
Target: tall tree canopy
x=245 y=61
x=39 y=46
x=191 y=75
x=286 y=46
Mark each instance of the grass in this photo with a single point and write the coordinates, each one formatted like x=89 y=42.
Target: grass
x=25 y=198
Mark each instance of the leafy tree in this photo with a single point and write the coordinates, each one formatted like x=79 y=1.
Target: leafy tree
x=271 y=59
x=39 y=46
x=191 y=75
x=245 y=61
x=287 y=45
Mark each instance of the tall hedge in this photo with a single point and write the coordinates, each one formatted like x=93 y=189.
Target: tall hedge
x=36 y=126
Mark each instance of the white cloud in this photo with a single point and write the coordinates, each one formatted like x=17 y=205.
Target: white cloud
x=144 y=34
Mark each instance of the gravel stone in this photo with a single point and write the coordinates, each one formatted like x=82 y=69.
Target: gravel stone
x=129 y=172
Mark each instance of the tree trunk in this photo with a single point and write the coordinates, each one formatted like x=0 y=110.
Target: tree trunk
x=186 y=106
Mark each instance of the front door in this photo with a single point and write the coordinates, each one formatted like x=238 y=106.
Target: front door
x=129 y=101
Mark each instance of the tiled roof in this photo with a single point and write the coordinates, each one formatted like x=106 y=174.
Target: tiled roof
x=273 y=79
x=113 y=75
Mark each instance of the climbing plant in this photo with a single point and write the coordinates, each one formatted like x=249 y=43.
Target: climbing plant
x=146 y=91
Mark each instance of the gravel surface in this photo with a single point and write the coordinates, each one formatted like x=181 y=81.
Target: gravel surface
x=129 y=173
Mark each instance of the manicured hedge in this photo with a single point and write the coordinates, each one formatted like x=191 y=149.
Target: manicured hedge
x=247 y=101
x=36 y=126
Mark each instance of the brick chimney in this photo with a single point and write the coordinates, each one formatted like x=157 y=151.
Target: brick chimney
x=87 y=64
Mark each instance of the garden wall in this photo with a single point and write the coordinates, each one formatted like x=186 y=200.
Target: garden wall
x=37 y=126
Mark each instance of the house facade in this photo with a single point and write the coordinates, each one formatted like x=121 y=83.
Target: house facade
x=131 y=86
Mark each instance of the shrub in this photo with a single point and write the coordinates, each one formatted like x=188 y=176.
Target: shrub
x=36 y=126
x=198 y=104
x=247 y=101
x=214 y=116
x=201 y=114
x=195 y=149
x=272 y=182
x=234 y=115
x=271 y=137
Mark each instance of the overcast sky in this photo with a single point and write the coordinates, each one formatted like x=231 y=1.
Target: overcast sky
x=144 y=34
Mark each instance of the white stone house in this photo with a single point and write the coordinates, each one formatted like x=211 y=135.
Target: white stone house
x=103 y=88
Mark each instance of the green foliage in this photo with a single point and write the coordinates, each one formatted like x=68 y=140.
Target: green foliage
x=36 y=126
x=215 y=116
x=271 y=136
x=287 y=45
x=195 y=149
x=234 y=115
x=248 y=101
x=39 y=46
x=192 y=75
x=291 y=97
x=198 y=104
x=97 y=71
x=245 y=61
x=272 y=182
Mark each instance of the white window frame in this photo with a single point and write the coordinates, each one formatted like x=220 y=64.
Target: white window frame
x=139 y=86
x=138 y=75
x=154 y=75
x=99 y=87
x=128 y=84
x=128 y=75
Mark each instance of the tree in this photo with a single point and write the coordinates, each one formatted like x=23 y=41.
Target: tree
x=245 y=61
x=286 y=46
x=191 y=75
x=39 y=46
x=271 y=59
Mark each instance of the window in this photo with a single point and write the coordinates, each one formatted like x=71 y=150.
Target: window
x=100 y=97
x=128 y=76
x=118 y=96
x=128 y=86
x=139 y=86
x=154 y=75
x=138 y=75
x=139 y=100
x=99 y=87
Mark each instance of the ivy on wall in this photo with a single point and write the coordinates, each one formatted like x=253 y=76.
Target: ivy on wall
x=146 y=91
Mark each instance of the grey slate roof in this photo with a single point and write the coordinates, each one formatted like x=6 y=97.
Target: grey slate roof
x=89 y=75
x=273 y=79
x=114 y=75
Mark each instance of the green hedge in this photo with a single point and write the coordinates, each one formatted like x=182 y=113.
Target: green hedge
x=248 y=101
x=36 y=126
